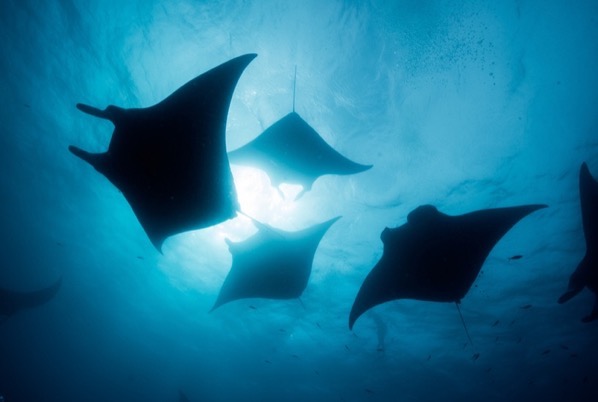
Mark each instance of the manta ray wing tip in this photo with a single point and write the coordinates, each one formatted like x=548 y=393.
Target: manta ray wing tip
x=534 y=207
x=217 y=304
x=246 y=58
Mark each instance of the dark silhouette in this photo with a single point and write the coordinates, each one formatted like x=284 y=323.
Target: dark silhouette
x=272 y=264
x=586 y=274
x=291 y=151
x=434 y=257
x=169 y=160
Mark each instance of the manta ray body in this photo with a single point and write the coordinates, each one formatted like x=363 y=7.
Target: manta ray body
x=434 y=256
x=272 y=264
x=169 y=160
x=291 y=151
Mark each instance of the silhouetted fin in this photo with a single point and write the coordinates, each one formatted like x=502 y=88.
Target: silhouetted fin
x=169 y=160
x=12 y=301
x=463 y=322
x=272 y=264
x=586 y=273
x=434 y=257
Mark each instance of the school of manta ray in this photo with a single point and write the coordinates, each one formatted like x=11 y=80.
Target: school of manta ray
x=170 y=162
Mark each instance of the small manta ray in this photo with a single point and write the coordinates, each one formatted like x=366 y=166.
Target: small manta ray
x=586 y=273
x=271 y=264
x=434 y=256
x=291 y=151
x=169 y=160
x=12 y=301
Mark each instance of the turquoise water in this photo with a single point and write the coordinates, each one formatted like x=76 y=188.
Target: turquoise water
x=463 y=106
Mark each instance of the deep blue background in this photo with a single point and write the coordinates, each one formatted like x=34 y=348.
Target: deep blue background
x=464 y=106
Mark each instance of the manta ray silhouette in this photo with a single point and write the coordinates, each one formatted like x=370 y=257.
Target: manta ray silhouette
x=169 y=160
x=586 y=274
x=12 y=301
x=291 y=151
x=434 y=257
x=272 y=264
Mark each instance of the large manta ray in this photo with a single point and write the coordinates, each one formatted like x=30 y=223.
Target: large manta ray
x=271 y=264
x=434 y=257
x=169 y=160
x=12 y=301
x=291 y=151
x=586 y=273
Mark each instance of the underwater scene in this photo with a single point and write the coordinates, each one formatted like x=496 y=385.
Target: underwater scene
x=307 y=200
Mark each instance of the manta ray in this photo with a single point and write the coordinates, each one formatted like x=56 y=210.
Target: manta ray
x=291 y=151
x=271 y=264
x=169 y=160
x=434 y=256
x=586 y=274
x=12 y=301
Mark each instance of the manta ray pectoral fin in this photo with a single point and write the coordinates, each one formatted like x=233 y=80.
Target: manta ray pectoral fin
x=569 y=294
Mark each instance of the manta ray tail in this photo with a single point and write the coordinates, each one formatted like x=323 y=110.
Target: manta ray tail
x=463 y=322
x=294 y=87
x=302 y=304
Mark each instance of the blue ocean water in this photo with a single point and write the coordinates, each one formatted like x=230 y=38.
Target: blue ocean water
x=463 y=105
